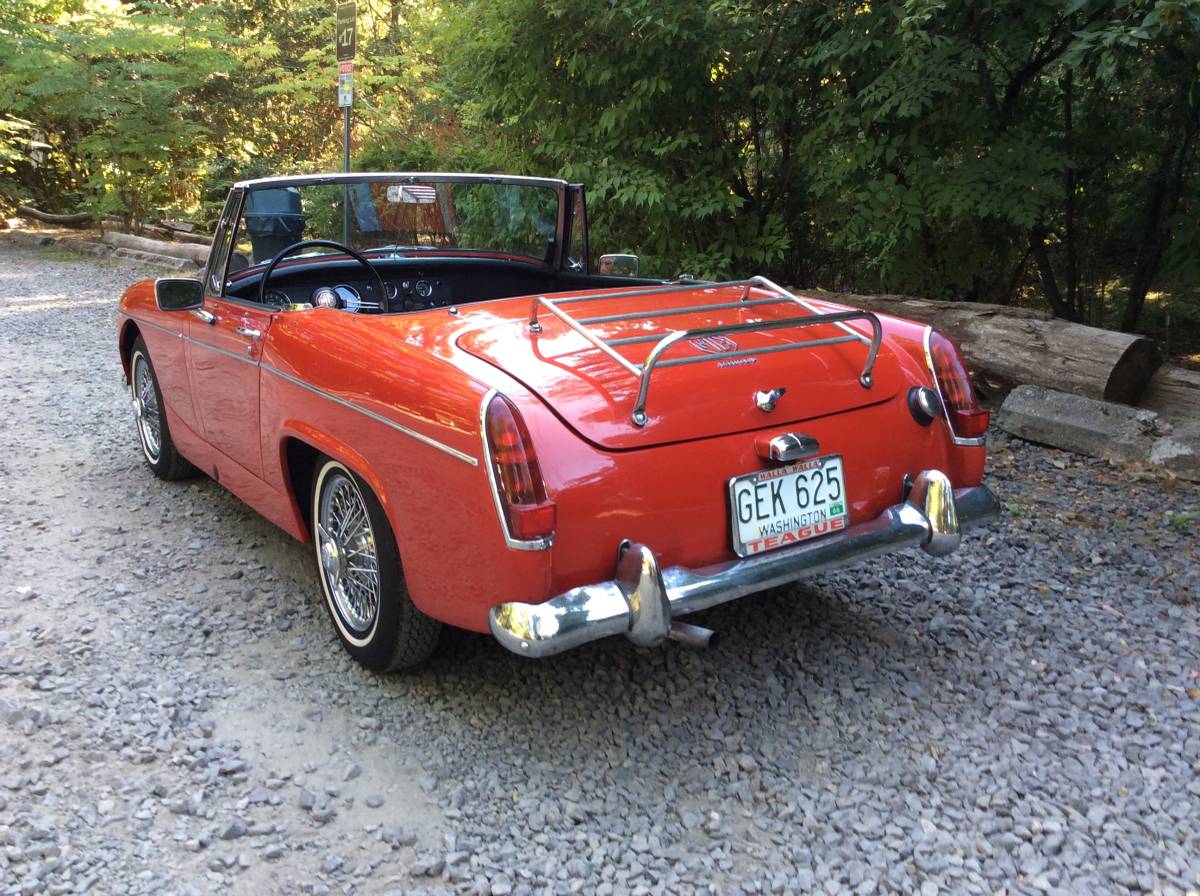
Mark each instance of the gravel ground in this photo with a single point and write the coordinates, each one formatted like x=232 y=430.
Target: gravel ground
x=177 y=717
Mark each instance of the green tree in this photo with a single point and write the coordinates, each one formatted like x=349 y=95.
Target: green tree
x=115 y=95
x=646 y=102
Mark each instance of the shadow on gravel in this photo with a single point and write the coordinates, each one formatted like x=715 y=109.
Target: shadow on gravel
x=791 y=658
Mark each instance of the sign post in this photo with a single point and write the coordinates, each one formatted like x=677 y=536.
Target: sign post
x=345 y=43
x=344 y=40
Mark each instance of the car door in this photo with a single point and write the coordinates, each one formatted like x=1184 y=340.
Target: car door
x=224 y=354
x=224 y=351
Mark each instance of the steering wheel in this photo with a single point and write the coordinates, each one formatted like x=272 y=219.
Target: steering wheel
x=328 y=244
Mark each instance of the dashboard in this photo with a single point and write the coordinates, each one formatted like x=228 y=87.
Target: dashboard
x=411 y=285
x=404 y=294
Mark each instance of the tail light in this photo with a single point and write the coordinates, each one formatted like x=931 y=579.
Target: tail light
x=967 y=419
x=528 y=515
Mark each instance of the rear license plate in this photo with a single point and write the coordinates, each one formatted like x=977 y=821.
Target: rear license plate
x=775 y=508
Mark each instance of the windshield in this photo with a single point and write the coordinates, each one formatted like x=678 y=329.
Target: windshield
x=421 y=215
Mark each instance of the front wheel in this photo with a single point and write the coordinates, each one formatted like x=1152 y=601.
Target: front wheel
x=358 y=564
x=153 y=432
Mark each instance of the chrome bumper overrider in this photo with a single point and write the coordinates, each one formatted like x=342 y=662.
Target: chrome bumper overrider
x=641 y=600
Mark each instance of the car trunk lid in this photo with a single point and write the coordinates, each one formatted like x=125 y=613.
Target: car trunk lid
x=705 y=384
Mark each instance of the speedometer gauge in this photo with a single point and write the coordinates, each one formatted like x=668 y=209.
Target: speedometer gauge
x=349 y=297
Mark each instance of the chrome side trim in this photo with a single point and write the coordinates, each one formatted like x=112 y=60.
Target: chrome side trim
x=399 y=427
x=146 y=323
x=411 y=433
x=517 y=544
x=199 y=343
x=954 y=437
x=641 y=599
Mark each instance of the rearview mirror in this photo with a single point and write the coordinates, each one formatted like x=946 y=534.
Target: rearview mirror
x=619 y=265
x=178 y=294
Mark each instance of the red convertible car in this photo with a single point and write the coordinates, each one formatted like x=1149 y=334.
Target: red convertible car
x=423 y=376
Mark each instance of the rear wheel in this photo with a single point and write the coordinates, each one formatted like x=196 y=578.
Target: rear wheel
x=359 y=568
x=153 y=432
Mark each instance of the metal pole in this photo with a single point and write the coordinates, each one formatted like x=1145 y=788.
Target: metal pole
x=346 y=168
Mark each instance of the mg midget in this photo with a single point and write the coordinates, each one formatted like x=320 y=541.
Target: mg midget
x=429 y=379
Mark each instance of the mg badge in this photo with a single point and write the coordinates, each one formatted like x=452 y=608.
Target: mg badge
x=713 y=345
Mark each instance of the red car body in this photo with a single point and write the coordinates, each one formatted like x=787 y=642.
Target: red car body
x=400 y=400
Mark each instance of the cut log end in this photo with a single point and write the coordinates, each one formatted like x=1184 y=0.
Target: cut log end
x=1132 y=371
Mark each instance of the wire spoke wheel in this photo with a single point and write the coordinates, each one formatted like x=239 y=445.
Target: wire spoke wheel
x=145 y=405
x=358 y=565
x=349 y=561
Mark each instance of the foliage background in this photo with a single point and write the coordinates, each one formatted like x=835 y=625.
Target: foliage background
x=1035 y=151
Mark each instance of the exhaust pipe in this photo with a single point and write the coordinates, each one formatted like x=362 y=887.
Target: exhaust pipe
x=694 y=636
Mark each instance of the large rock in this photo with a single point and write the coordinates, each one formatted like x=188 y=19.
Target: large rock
x=1101 y=429
x=1083 y=425
x=1179 y=451
x=27 y=238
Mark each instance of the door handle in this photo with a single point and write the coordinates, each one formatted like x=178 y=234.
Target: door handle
x=246 y=331
x=207 y=316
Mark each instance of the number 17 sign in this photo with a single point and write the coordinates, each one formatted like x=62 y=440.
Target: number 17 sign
x=344 y=34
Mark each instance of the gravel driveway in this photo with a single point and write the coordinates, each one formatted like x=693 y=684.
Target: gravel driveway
x=176 y=715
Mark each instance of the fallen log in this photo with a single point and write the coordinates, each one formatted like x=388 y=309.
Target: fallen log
x=196 y=254
x=182 y=236
x=80 y=219
x=1007 y=346
x=1174 y=392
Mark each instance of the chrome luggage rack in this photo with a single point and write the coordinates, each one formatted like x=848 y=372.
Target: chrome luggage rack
x=665 y=340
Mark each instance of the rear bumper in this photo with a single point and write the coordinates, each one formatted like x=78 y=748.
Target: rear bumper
x=641 y=600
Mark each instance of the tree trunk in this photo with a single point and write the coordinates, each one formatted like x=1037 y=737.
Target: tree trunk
x=82 y=219
x=1006 y=347
x=1161 y=205
x=1037 y=246
x=1070 y=237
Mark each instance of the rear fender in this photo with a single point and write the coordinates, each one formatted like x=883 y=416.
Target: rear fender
x=333 y=448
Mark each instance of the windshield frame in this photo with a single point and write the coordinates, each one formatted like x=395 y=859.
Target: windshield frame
x=559 y=187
